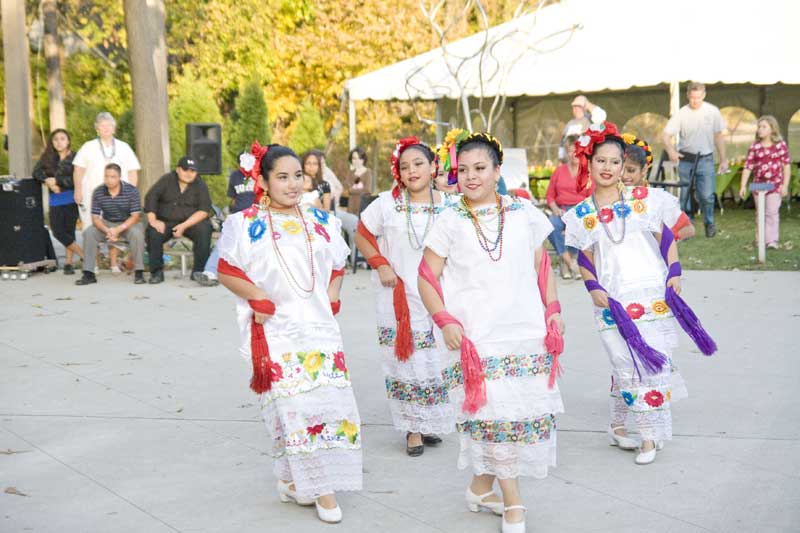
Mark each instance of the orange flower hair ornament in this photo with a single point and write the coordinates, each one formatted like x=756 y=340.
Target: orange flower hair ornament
x=633 y=140
x=584 y=147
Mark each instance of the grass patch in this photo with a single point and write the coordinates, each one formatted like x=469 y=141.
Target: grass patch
x=733 y=246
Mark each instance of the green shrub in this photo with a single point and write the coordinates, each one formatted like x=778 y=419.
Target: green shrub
x=249 y=119
x=307 y=131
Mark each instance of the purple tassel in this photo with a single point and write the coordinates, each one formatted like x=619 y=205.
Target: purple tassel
x=690 y=323
x=652 y=360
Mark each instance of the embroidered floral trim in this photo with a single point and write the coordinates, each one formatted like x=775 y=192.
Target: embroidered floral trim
x=638 y=311
x=423 y=340
x=647 y=400
x=509 y=366
x=416 y=209
x=320 y=435
x=488 y=210
x=414 y=393
x=298 y=372
x=533 y=431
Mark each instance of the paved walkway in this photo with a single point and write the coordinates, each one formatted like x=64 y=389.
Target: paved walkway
x=125 y=408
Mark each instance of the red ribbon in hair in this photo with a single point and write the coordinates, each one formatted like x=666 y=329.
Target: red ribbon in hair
x=264 y=370
x=404 y=343
x=257 y=151
x=584 y=147
x=399 y=148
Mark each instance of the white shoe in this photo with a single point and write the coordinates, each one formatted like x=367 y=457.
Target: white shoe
x=115 y=270
x=645 y=458
x=331 y=516
x=513 y=527
x=623 y=441
x=96 y=270
x=289 y=495
x=475 y=502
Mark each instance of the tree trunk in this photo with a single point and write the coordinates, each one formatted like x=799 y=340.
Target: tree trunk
x=147 y=50
x=17 y=70
x=52 y=55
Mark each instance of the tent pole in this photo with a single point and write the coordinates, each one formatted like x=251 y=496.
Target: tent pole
x=351 y=120
x=675 y=102
x=439 y=135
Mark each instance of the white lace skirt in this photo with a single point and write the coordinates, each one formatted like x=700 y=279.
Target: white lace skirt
x=312 y=421
x=415 y=389
x=514 y=434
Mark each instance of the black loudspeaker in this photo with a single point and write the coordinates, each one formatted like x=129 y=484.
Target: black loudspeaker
x=204 y=145
x=23 y=238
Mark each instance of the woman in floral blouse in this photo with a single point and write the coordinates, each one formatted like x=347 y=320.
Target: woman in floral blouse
x=769 y=162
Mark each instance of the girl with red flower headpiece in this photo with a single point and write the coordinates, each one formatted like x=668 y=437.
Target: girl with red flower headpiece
x=496 y=311
x=391 y=235
x=629 y=262
x=284 y=264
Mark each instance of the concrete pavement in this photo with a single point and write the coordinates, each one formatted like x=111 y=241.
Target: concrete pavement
x=126 y=408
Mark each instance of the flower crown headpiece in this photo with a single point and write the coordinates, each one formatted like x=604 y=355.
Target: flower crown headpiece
x=632 y=140
x=399 y=148
x=584 y=147
x=456 y=138
x=250 y=166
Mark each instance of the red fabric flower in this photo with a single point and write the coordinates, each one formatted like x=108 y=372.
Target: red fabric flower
x=640 y=193
x=315 y=430
x=606 y=215
x=635 y=311
x=320 y=229
x=338 y=362
x=654 y=398
x=584 y=147
x=399 y=148
x=276 y=371
x=251 y=211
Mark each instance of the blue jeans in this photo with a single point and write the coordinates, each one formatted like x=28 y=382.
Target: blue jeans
x=705 y=183
x=557 y=236
x=213 y=259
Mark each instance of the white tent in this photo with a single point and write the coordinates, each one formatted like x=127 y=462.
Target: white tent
x=615 y=50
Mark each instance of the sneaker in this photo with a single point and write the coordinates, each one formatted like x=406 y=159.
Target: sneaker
x=711 y=230
x=157 y=277
x=87 y=278
x=96 y=270
x=116 y=270
x=138 y=277
x=69 y=270
x=204 y=279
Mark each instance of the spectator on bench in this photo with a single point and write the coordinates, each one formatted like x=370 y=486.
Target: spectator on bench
x=116 y=212
x=178 y=205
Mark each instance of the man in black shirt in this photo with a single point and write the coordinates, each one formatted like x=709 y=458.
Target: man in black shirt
x=178 y=205
x=116 y=211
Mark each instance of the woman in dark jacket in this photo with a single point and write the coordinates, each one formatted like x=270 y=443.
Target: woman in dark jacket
x=54 y=169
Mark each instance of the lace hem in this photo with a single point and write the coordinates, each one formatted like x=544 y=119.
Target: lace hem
x=508 y=460
x=323 y=472
x=422 y=419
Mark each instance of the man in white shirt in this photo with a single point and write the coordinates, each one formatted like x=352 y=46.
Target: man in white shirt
x=93 y=157
x=700 y=126
x=584 y=114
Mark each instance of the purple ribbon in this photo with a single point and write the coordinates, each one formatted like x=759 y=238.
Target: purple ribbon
x=683 y=313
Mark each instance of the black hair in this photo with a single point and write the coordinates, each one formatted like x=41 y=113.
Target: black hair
x=318 y=155
x=50 y=157
x=424 y=149
x=275 y=152
x=115 y=167
x=479 y=143
x=361 y=153
x=636 y=154
x=610 y=139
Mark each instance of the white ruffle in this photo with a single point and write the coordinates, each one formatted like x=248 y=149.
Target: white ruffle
x=428 y=419
x=323 y=472
x=511 y=399
x=507 y=460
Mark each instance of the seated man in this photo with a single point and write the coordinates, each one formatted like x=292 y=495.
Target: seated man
x=178 y=205
x=116 y=211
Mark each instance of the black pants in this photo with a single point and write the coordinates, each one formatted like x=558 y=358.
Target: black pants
x=63 y=219
x=199 y=234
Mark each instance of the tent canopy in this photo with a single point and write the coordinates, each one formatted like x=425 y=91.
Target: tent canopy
x=592 y=46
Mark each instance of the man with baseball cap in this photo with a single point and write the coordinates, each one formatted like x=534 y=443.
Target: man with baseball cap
x=584 y=113
x=178 y=205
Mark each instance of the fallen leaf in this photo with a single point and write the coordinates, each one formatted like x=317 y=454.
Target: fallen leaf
x=9 y=451
x=127 y=332
x=179 y=410
x=65 y=298
x=14 y=491
x=141 y=297
x=192 y=297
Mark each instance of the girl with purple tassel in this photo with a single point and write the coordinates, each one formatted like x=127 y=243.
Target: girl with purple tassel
x=629 y=263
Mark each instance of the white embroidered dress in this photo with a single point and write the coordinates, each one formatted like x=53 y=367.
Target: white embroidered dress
x=310 y=411
x=634 y=273
x=501 y=309
x=417 y=396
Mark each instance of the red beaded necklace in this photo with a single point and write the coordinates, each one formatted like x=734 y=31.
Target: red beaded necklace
x=293 y=283
x=483 y=240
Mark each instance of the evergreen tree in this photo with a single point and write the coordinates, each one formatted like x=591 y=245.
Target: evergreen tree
x=191 y=101
x=249 y=119
x=307 y=131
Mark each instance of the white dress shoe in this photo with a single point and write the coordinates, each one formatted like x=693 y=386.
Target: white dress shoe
x=475 y=502
x=645 y=458
x=513 y=527
x=331 y=516
x=289 y=495
x=623 y=441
